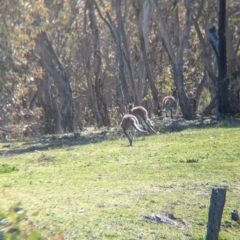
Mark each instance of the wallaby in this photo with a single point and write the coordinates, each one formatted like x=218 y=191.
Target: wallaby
x=142 y=115
x=170 y=103
x=130 y=124
x=192 y=100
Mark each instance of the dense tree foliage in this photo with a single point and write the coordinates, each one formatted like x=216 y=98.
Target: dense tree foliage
x=66 y=64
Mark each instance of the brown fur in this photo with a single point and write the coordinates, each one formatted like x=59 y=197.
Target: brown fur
x=142 y=115
x=130 y=123
x=170 y=103
x=192 y=100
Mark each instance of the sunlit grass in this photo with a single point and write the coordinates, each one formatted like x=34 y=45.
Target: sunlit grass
x=104 y=190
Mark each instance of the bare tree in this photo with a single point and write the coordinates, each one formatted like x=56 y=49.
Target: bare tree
x=205 y=55
x=52 y=65
x=223 y=105
x=122 y=76
x=177 y=57
x=143 y=13
x=116 y=33
x=233 y=71
x=226 y=100
x=47 y=98
x=128 y=62
x=103 y=118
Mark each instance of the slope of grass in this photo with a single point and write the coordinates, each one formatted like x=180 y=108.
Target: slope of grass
x=104 y=190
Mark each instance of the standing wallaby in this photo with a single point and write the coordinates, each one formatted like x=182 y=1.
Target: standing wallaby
x=130 y=124
x=142 y=115
x=192 y=100
x=170 y=103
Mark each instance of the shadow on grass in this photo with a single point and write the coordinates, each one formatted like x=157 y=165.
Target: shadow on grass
x=177 y=125
x=67 y=140
x=49 y=141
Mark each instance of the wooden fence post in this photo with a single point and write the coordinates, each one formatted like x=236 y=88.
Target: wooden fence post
x=217 y=202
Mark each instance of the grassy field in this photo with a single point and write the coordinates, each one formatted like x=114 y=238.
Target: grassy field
x=105 y=190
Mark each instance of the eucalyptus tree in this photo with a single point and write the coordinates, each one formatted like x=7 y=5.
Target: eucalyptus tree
x=35 y=57
x=15 y=65
x=176 y=56
x=118 y=34
x=207 y=23
x=96 y=87
x=223 y=105
x=143 y=10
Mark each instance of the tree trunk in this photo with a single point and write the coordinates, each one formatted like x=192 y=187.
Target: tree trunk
x=232 y=61
x=143 y=38
x=177 y=59
x=207 y=60
x=122 y=86
x=186 y=108
x=217 y=202
x=122 y=76
x=128 y=63
x=51 y=114
x=200 y=89
x=208 y=110
x=184 y=103
x=223 y=106
x=92 y=98
x=101 y=103
x=51 y=64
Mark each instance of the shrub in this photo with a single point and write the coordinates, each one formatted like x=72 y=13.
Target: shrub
x=7 y=168
x=15 y=225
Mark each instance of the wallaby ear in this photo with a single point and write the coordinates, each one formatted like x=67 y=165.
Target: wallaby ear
x=175 y=91
x=131 y=105
x=121 y=114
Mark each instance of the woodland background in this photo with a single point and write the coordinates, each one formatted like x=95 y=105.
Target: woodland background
x=67 y=64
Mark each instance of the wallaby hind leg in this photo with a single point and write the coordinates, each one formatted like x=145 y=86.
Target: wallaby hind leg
x=143 y=125
x=133 y=135
x=150 y=126
x=129 y=137
x=152 y=129
x=167 y=108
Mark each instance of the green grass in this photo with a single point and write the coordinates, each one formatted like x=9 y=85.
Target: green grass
x=6 y=168
x=103 y=190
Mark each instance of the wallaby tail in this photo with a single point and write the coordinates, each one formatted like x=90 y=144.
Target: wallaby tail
x=138 y=128
x=150 y=125
x=168 y=103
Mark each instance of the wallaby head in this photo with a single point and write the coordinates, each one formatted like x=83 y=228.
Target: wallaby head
x=191 y=94
x=130 y=124
x=130 y=107
x=138 y=111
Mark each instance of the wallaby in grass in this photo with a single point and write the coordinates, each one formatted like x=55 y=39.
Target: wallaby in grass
x=170 y=103
x=142 y=115
x=130 y=124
